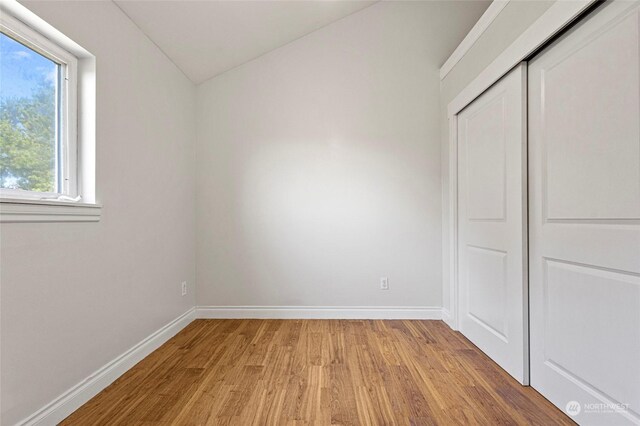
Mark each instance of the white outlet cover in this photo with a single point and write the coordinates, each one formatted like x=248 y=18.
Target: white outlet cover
x=384 y=283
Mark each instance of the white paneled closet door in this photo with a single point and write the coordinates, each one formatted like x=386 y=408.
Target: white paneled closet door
x=584 y=153
x=492 y=223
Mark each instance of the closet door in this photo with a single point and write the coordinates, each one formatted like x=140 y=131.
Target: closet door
x=492 y=223
x=584 y=141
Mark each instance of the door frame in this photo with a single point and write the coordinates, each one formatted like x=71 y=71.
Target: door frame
x=550 y=23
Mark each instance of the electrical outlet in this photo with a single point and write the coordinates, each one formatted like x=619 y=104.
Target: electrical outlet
x=384 y=283
x=184 y=288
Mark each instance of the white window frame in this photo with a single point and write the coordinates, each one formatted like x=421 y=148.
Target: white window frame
x=66 y=111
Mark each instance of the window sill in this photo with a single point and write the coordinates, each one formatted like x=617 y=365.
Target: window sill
x=18 y=210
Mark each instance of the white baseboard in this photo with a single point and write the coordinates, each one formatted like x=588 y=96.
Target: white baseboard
x=320 y=312
x=60 y=408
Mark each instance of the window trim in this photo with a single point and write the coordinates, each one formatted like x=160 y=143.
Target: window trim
x=66 y=110
x=24 y=210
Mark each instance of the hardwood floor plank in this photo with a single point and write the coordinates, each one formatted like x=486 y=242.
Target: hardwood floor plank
x=317 y=372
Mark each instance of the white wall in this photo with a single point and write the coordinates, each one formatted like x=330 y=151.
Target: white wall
x=514 y=19
x=75 y=296
x=318 y=165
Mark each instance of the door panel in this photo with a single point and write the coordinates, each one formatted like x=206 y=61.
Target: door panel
x=584 y=152
x=485 y=166
x=492 y=225
x=603 y=95
x=487 y=286
x=572 y=291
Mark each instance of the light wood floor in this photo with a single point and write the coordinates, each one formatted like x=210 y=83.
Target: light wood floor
x=285 y=372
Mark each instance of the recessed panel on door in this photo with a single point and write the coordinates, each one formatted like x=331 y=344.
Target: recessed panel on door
x=485 y=167
x=487 y=289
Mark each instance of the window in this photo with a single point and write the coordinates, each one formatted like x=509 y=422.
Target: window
x=38 y=146
x=47 y=122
